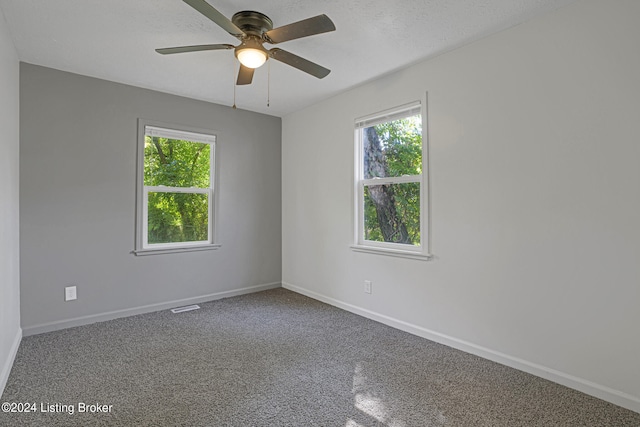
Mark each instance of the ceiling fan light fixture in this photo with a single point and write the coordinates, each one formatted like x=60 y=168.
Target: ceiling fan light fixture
x=251 y=57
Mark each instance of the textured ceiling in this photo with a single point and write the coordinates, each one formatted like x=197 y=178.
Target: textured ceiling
x=115 y=40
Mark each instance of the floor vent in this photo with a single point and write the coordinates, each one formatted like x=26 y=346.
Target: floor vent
x=185 y=308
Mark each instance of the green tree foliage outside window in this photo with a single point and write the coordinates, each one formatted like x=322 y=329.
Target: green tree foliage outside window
x=392 y=211
x=177 y=216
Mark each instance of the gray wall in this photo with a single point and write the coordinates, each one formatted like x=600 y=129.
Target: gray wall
x=77 y=183
x=10 y=332
x=535 y=200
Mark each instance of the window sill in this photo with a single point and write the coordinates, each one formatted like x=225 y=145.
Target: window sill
x=145 y=252
x=392 y=252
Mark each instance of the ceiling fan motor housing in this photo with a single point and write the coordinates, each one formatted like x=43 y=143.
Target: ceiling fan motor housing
x=252 y=23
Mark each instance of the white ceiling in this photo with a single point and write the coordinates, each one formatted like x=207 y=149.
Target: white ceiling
x=115 y=40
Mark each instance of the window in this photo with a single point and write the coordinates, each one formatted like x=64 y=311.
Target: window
x=389 y=183
x=175 y=190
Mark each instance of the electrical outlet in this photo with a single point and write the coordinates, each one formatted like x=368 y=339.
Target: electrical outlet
x=70 y=293
x=367 y=286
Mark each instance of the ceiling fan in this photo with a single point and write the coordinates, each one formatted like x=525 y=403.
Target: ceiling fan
x=253 y=29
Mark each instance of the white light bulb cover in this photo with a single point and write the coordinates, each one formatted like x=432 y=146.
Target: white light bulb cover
x=252 y=58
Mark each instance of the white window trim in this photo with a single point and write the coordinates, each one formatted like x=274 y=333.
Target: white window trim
x=422 y=251
x=142 y=192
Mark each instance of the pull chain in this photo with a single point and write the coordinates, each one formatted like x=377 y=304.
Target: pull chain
x=268 y=82
x=234 y=85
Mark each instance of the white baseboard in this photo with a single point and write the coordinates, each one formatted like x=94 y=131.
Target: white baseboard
x=602 y=392
x=8 y=364
x=110 y=315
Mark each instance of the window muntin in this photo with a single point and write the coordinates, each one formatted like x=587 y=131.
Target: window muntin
x=389 y=180
x=177 y=189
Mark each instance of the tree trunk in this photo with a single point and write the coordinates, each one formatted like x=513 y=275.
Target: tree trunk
x=391 y=225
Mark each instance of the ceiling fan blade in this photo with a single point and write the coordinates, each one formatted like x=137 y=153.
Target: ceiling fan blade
x=299 y=63
x=245 y=75
x=212 y=13
x=307 y=27
x=182 y=49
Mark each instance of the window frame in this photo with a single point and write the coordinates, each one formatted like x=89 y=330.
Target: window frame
x=421 y=251
x=142 y=247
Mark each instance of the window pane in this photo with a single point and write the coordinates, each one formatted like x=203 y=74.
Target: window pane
x=393 y=148
x=176 y=163
x=177 y=217
x=392 y=213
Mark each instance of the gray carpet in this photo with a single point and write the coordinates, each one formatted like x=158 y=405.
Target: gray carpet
x=277 y=358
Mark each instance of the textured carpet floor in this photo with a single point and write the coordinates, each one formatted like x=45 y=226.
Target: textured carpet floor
x=277 y=358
